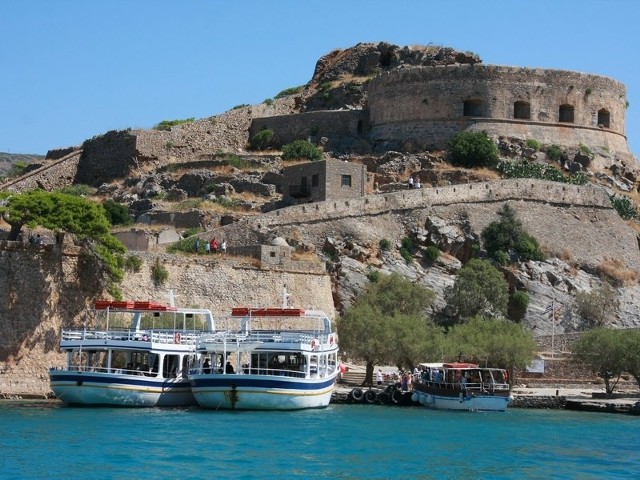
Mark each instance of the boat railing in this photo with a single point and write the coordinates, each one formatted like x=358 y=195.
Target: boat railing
x=168 y=336
x=469 y=386
x=140 y=370
x=262 y=336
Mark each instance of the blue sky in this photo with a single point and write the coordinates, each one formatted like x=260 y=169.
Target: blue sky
x=74 y=69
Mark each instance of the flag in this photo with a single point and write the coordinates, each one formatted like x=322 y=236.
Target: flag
x=549 y=308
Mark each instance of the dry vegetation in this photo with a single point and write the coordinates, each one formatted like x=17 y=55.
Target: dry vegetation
x=615 y=270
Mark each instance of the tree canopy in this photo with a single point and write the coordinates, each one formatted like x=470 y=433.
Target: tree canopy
x=60 y=212
x=604 y=350
x=492 y=342
x=508 y=235
x=388 y=324
x=479 y=289
x=473 y=149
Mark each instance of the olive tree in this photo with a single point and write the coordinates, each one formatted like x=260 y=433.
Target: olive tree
x=598 y=305
x=479 y=289
x=388 y=324
x=604 y=350
x=492 y=342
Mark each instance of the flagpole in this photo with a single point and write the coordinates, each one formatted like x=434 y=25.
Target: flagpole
x=553 y=326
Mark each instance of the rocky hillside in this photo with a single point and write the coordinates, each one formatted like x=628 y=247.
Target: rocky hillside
x=202 y=175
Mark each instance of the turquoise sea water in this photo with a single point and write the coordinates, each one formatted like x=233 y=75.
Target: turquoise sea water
x=46 y=440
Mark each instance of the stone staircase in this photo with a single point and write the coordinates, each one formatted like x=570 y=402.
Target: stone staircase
x=353 y=377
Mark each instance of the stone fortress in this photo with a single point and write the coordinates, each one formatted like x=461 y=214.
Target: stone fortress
x=408 y=99
x=415 y=101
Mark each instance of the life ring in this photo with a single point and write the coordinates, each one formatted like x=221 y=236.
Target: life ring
x=357 y=394
x=145 y=338
x=177 y=338
x=370 y=396
x=314 y=344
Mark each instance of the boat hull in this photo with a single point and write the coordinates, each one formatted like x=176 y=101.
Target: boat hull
x=463 y=402
x=102 y=389
x=255 y=392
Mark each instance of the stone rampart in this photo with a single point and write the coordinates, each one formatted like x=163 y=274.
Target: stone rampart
x=426 y=105
x=340 y=127
x=53 y=176
x=45 y=289
x=483 y=192
x=107 y=157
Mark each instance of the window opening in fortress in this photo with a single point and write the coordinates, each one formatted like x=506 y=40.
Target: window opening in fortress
x=359 y=127
x=522 y=110
x=346 y=180
x=473 y=108
x=315 y=180
x=565 y=114
x=604 y=118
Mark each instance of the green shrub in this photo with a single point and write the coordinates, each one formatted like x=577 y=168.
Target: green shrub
x=406 y=254
x=132 y=263
x=517 y=307
x=79 y=190
x=117 y=213
x=527 y=247
x=532 y=143
x=585 y=149
x=624 y=206
x=301 y=149
x=159 y=273
x=541 y=171
x=268 y=102
x=373 y=275
x=501 y=257
x=407 y=243
x=167 y=124
x=290 y=91
x=473 y=149
x=432 y=253
x=554 y=152
x=507 y=235
x=236 y=161
x=191 y=232
x=262 y=140
x=242 y=105
x=385 y=244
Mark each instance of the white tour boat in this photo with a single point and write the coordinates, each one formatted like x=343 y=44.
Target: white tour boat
x=462 y=386
x=137 y=354
x=272 y=359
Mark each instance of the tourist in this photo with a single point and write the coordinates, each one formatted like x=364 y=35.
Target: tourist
x=229 y=368
x=417 y=184
x=405 y=382
x=206 y=367
x=379 y=377
x=207 y=247
x=197 y=245
x=410 y=182
x=223 y=246
x=214 y=245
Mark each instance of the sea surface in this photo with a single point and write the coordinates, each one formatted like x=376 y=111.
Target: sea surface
x=45 y=440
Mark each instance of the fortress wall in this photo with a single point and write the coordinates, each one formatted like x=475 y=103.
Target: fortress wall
x=44 y=289
x=330 y=124
x=516 y=189
x=106 y=157
x=51 y=177
x=433 y=96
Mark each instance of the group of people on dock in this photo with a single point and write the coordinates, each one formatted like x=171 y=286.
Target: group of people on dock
x=210 y=246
